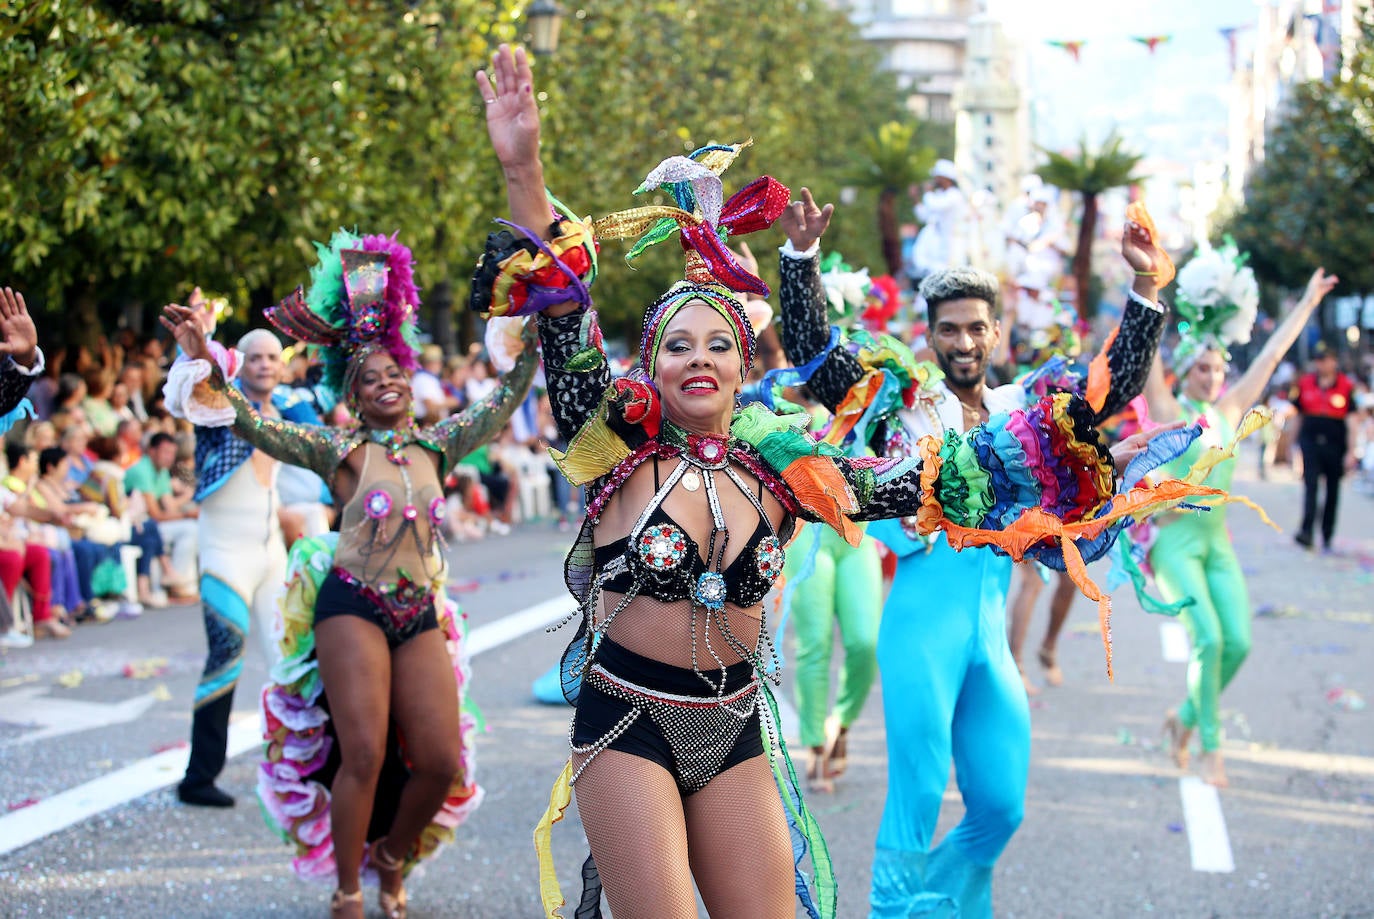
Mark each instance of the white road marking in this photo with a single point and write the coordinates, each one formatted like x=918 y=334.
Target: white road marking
x=1173 y=641
x=508 y=628
x=51 y=815
x=54 y=716
x=147 y=775
x=1207 y=838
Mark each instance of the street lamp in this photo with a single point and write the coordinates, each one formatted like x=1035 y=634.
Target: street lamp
x=545 y=16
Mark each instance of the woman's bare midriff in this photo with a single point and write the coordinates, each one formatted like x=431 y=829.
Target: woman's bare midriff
x=661 y=631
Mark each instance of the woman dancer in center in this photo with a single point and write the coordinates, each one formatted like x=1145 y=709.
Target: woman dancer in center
x=690 y=501
x=379 y=629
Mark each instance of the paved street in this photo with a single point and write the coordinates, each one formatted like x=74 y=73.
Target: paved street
x=1107 y=832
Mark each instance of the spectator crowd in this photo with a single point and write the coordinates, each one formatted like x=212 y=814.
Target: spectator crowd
x=97 y=517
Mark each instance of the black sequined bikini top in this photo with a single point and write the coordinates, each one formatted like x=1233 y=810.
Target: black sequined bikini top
x=666 y=564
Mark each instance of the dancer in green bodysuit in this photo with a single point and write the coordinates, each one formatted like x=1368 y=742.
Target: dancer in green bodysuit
x=1192 y=556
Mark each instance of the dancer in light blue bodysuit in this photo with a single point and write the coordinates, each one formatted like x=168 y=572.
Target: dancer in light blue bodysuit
x=951 y=687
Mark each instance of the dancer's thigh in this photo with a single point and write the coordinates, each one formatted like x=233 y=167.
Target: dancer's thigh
x=633 y=817
x=741 y=850
x=355 y=665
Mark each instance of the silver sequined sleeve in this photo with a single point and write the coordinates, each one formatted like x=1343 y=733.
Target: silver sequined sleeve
x=319 y=449
x=460 y=434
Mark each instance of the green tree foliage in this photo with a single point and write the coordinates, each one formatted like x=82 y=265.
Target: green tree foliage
x=156 y=144
x=1311 y=202
x=633 y=83
x=1089 y=173
x=159 y=144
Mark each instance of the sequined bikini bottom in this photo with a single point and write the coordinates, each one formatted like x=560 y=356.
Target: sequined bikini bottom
x=667 y=715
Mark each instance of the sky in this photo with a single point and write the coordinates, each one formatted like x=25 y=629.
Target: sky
x=1171 y=104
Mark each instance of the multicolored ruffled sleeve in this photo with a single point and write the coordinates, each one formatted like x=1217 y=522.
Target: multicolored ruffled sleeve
x=458 y=435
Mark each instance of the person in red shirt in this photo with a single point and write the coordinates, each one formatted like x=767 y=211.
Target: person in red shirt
x=1324 y=399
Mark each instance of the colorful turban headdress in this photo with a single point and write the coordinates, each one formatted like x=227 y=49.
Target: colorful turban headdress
x=362 y=299
x=703 y=221
x=1218 y=299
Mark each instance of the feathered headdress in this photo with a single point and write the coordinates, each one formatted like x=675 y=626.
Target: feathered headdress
x=1218 y=299
x=362 y=298
x=704 y=222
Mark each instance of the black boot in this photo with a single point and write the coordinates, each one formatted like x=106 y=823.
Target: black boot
x=209 y=743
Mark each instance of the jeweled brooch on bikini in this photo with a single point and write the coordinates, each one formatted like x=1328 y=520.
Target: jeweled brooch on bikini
x=710 y=590
x=662 y=546
x=769 y=557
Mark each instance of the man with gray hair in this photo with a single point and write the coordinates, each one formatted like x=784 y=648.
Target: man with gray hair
x=242 y=558
x=943 y=652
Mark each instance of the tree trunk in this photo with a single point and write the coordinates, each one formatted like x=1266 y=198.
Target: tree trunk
x=441 y=330
x=1083 y=260
x=889 y=232
x=83 y=327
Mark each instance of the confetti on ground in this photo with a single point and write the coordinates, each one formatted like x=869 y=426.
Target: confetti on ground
x=1124 y=737
x=1347 y=700
x=1175 y=827
x=145 y=669
x=71 y=679
x=161 y=693
x=20 y=805
x=164 y=747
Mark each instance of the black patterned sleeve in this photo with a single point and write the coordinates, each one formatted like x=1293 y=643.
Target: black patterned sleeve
x=806 y=331
x=895 y=492
x=14 y=385
x=1129 y=357
x=574 y=394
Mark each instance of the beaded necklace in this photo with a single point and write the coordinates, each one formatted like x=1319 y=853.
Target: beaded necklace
x=702 y=456
x=395 y=440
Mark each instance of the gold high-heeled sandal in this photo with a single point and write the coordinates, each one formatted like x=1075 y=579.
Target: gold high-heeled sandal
x=341 y=901
x=393 y=904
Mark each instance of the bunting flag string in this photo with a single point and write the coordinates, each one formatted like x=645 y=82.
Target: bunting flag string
x=1073 y=47
x=1151 y=41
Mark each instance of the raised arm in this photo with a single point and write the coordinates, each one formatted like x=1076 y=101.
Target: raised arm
x=513 y=127
x=1135 y=349
x=1250 y=387
x=460 y=434
x=805 y=324
x=1159 y=398
x=197 y=389
x=22 y=361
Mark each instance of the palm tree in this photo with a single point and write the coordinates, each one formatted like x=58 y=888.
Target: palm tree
x=1090 y=174
x=896 y=160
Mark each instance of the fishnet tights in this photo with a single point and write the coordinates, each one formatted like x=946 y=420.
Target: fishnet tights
x=650 y=843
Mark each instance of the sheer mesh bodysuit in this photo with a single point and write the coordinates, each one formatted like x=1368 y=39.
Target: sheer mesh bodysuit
x=736 y=818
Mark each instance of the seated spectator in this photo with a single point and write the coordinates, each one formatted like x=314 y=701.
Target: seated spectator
x=22 y=558
x=131 y=378
x=427 y=392
x=96 y=405
x=61 y=536
x=128 y=440
x=40 y=435
x=74 y=443
x=455 y=383
x=168 y=536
